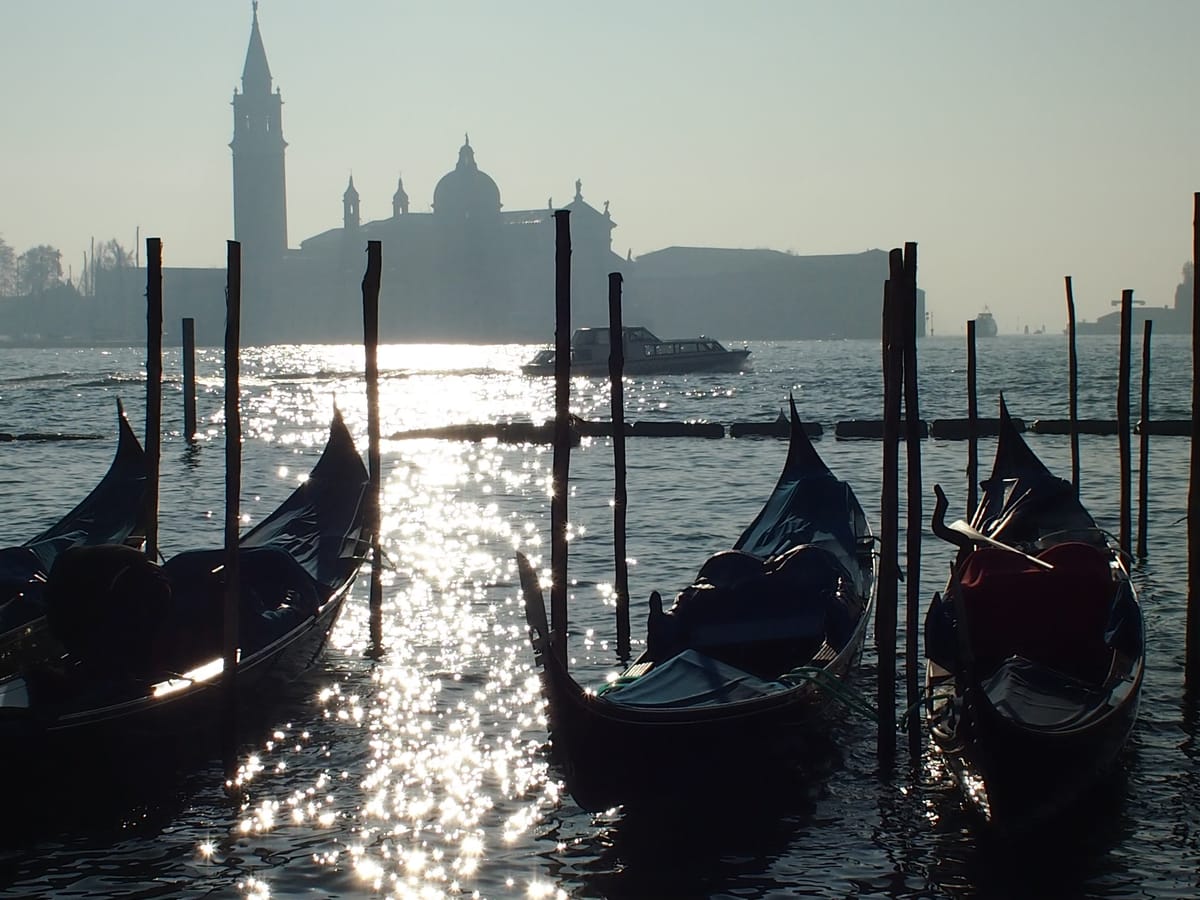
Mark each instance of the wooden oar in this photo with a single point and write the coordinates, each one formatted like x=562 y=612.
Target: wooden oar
x=962 y=527
x=966 y=530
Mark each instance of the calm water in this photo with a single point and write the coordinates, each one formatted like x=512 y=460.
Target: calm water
x=424 y=775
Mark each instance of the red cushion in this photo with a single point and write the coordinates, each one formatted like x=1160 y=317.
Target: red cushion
x=1056 y=617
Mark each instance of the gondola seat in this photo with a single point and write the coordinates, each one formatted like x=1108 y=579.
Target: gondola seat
x=1053 y=617
x=763 y=616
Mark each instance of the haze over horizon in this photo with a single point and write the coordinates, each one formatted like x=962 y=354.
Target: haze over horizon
x=1016 y=145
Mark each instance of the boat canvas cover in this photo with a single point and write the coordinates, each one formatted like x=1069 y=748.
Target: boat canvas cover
x=808 y=505
x=1039 y=697
x=692 y=680
x=317 y=525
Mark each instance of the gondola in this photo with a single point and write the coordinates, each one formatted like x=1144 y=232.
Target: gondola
x=1035 y=650
x=741 y=669
x=113 y=513
x=138 y=680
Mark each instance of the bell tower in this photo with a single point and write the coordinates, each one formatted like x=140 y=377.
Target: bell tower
x=259 y=188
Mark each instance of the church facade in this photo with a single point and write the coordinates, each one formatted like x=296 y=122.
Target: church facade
x=470 y=269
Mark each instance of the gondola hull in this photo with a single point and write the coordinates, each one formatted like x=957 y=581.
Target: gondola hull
x=167 y=732
x=64 y=726
x=1036 y=649
x=609 y=755
x=113 y=512
x=1021 y=777
x=716 y=710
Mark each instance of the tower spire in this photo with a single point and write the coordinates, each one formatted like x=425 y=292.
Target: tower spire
x=259 y=192
x=256 y=74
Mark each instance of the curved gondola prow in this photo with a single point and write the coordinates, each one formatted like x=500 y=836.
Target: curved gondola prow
x=803 y=462
x=335 y=494
x=801 y=452
x=1013 y=460
x=535 y=610
x=114 y=510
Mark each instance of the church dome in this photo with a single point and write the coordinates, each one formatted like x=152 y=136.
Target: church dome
x=466 y=192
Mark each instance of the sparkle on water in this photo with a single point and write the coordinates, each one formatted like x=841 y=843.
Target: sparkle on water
x=424 y=774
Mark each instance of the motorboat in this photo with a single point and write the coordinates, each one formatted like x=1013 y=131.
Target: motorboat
x=645 y=354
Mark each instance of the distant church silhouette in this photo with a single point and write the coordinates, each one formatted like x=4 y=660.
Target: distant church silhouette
x=470 y=270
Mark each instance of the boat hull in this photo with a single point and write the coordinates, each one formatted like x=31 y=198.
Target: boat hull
x=726 y=361
x=93 y=712
x=610 y=755
x=1019 y=777
x=1036 y=650
x=168 y=733
x=741 y=674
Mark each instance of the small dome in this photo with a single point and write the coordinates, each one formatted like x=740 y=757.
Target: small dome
x=466 y=192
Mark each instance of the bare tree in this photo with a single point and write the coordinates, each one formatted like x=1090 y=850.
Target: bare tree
x=111 y=255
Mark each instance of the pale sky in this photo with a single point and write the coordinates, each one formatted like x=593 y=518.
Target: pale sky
x=1015 y=143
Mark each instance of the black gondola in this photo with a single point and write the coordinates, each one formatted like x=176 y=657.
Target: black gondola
x=1035 y=651
x=113 y=513
x=741 y=668
x=138 y=677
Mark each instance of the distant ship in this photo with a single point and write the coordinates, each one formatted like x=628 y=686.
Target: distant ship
x=645 y=354
x=985 y=324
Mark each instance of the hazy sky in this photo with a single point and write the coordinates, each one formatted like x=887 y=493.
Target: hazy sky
x=1016 y=143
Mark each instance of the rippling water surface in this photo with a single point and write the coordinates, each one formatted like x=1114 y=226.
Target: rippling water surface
x=424 y=775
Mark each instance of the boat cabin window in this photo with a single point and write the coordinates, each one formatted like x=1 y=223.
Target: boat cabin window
x=639 y=335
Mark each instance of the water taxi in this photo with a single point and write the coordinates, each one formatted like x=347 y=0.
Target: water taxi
x=644 y=354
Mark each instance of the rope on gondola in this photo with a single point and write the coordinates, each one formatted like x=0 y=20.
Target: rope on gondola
x=834 y=688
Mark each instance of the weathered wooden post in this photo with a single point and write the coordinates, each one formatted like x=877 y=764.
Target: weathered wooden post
x=616 y=370
x=1073 y=387
x=889 y=510
x=1123 y=437
x=233 y=489
x=1144 y=443
x=189 y=379
x=972 y=425
x=1192 y=666
x=561 y=467
x=912 y=553
x=370 y=298
x=154 y=373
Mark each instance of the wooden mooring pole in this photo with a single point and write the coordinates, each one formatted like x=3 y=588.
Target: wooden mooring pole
x=233 y=489
x=1192 y=665
x=1144 y=443
x=154 y=374
x=189 y=380
x=616 y=372
x=889 y=512
x=915 y=525
x=370 y=298
x=1072 y=387
x=1124 y=448
x=561 y=467
x=972 y=425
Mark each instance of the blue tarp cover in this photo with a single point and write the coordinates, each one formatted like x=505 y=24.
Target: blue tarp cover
x=692 y=680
